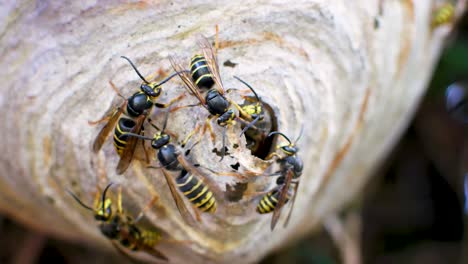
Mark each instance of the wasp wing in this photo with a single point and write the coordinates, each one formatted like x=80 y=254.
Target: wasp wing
x=124 y=252
x=184 y=212
x=101 y=137
x=155 y=253
x=135 y=259
x=186 y=78
x=196 y=171
x=296 y=187
x=282 y=199
x=127 y=154
x=212 y=62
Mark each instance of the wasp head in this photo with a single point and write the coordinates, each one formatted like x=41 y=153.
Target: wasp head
x=111 y=229
x=160 y=140
x=151 y=89
x=227 y=118
x=104 y=211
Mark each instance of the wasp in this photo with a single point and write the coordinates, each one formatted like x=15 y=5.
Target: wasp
x=130 y=117
x=287 y=184
x=121 y=228
x=204 y=74
x=443 y=15
x=192 y=187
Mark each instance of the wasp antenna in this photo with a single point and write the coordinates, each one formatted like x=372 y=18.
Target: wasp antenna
x=279 y=133
x=136 y=70
x=135 y=135
x=300 y=134
x=104 y=195
x=250 y=87
x=251 y=124
x=223 y=148
x=153 y=125
x=79 y=201
x=168 y=78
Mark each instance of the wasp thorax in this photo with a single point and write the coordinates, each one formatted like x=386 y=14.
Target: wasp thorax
x=167 y=156
x=111 y=229
x=138 y=104
x=160 y=140
x=217 y=104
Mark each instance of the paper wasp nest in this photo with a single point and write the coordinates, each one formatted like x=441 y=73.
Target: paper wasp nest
x=350 y=72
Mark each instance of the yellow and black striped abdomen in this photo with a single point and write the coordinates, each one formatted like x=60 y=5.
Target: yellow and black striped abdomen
x=443 y=15
x=123 y=125
x=197 y=192
x=201 y=75
x=149 y=238
x=269 y=202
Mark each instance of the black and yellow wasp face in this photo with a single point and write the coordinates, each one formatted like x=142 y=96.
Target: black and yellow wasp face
x=289 y=150
x=160 y=139
x=103 y=212
x=255 y=111
x=228 y=118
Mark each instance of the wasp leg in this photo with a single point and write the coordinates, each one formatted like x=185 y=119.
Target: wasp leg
x=273 y=154
x=242 y=92
x=147 y=158
x=116 y=90
x=97 y=197
x=166 y=105
x=239 y=108
x=249 y=125
x=194 y=131
x=210 y=127
x=183 y=106
x=227 y=173
x=197 y=213
x=147 y=207
x=119 y=199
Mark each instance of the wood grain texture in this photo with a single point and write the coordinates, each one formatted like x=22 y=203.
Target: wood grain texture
x=350 y=72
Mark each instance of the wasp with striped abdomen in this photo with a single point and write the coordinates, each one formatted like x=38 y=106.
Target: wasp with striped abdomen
x=121 y=228
x=287 y=184
x=204 y=74
x=189 y=181
x=129 y=117
x=443 y=15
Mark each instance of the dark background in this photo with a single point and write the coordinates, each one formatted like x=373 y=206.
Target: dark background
x=412 y=210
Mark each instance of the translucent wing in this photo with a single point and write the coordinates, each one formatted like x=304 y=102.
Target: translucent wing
x=296 y=187
x=282 y=199
x=212 y=62
x=123 y=252
x=184 y=212
x=196 y=171
x=155 y=253
x=127 y=154
x=133 y=259
x=101 y=137
x=189 y=85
